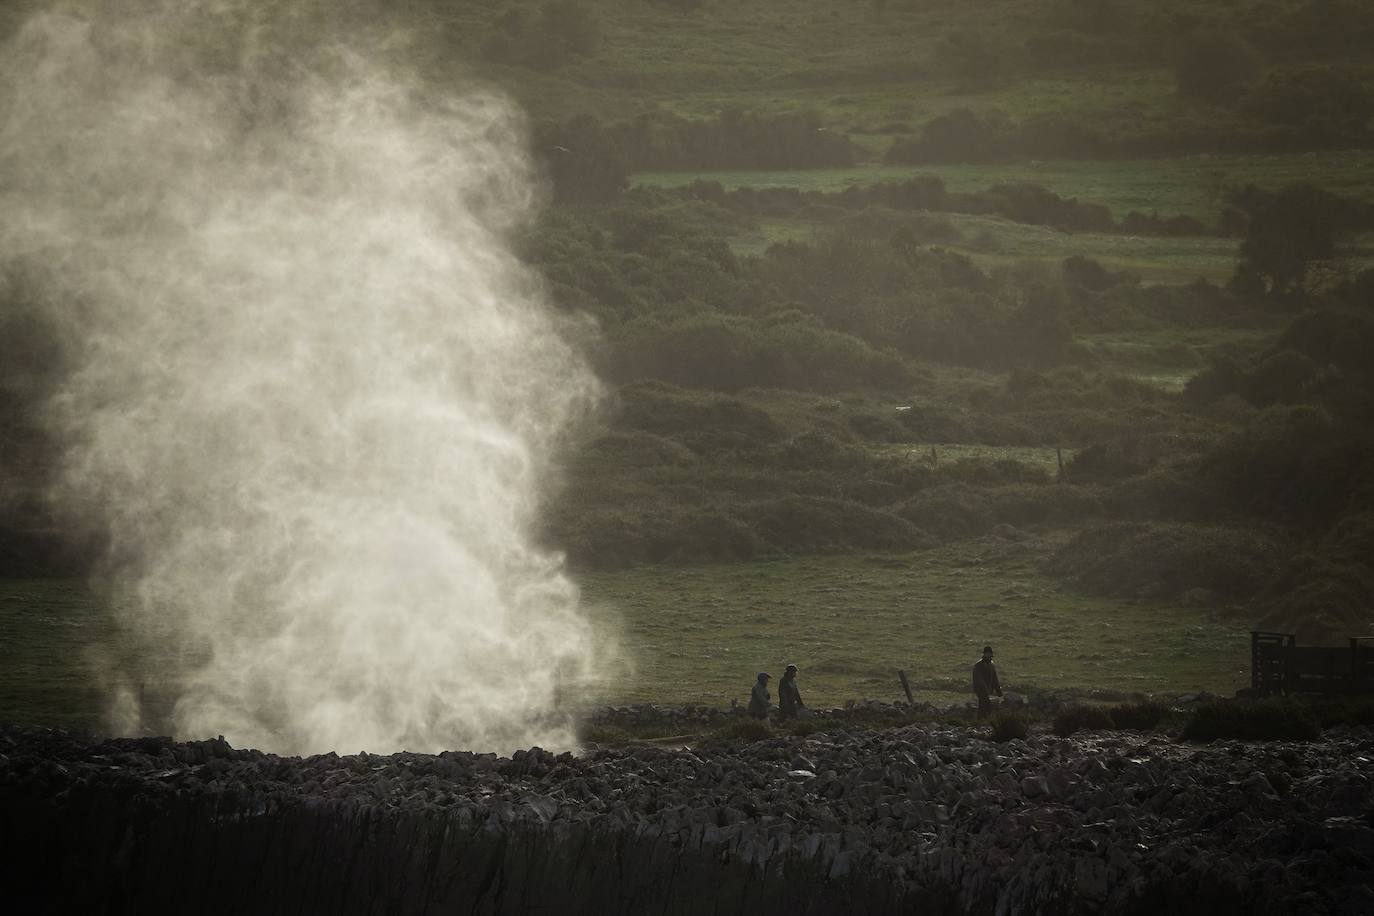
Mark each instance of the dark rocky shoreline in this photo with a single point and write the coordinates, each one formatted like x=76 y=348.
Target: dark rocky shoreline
x=915 y=819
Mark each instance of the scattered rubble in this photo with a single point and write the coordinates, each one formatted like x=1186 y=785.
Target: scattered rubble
x=930 y=817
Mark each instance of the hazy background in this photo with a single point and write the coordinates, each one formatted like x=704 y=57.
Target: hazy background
x=919 y=324
x=310 y=396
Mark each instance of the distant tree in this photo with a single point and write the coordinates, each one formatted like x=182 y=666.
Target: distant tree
x=1290 y=230
x=960 y=135
x=1214 y=66
x=584 y=161
x=1324 y=106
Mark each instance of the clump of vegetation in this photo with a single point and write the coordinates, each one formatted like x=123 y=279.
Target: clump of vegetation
x=1142 y=717
x=1346 y=712
x=1009 y=725
x=1081 y=717
x=744 y=729
x=1153 y=560
x=1261 y=720
x=804 y=727
x=605 y=734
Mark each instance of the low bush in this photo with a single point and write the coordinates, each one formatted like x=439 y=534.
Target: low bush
x=744 y=729
x=1076 y=718
x=1009 y=725
x=1350 y=712
x=1141 y=717
x=818 y=523
x=611 y=538
x=727 y=353
x=605 y=734
x=804 y=727
x=698 y=419
x=1038 y=504
x=1161 y=561
x=952 y=511
x=1261 y=720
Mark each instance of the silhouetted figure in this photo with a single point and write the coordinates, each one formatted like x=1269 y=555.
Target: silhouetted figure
x=789 y=697
x=985 y=682
x=759 y=698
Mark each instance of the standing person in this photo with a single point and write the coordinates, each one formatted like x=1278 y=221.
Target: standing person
x=789 y=697
x=985 y=682
x=759 y=698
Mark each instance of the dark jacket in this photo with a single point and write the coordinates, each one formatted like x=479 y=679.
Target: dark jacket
x=759 y=700
x=789 y=697
x=985 y=678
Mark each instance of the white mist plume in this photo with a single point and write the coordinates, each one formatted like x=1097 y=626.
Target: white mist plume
x=314 y=395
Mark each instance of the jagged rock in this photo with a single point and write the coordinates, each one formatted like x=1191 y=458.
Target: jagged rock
x=898 y=819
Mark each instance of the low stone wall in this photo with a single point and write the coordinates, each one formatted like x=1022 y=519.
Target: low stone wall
x=907 y=820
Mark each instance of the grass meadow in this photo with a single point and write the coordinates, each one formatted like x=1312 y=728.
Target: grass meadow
x=1192 y=186
x=993 y=242
x=700 y=633
x=1188 y=185
x=850 y=622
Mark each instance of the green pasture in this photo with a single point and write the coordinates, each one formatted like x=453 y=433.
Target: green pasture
x=993 y=242
x=51 y=631
x=1191 y=185
x=1173 y=348
x=933 y=454
x=850 y=622
x=701 y=633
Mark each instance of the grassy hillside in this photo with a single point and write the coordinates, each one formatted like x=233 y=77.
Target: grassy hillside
x=1173 y=76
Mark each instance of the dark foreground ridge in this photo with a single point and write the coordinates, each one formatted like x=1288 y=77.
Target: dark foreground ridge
x=907 y=820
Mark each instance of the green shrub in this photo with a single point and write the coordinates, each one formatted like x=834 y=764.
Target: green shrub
x=822 y=524
x=804 y=727
x=1262 y=720
x=605 y=734
x=950 y=511
x=1035 y=504
x=1157 y=561
x=1009 y=725
x=728 y=352
x=1142 y=717
x=1075 y=718
x=744 y=729
x=701 y=420
x=1214 y=66
x=1351 y=712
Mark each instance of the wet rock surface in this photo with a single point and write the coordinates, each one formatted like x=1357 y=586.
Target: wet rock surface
x=912 y=819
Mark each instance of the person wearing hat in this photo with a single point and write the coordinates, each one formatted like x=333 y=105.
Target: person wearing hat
x=789 y=697
x=760 y=699
x=985 y=682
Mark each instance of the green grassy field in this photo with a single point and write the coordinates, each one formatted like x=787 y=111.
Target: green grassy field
x=993 y=242
x=849 y=623
x=48 y=631
x=1192 y=185
x=700 y=633
x=933 y=453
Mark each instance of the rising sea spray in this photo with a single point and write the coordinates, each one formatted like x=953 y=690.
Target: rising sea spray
x=313 y=399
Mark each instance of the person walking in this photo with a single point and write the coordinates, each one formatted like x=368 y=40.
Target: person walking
x=985 y=682
x=789 y=697
x=759 y=698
